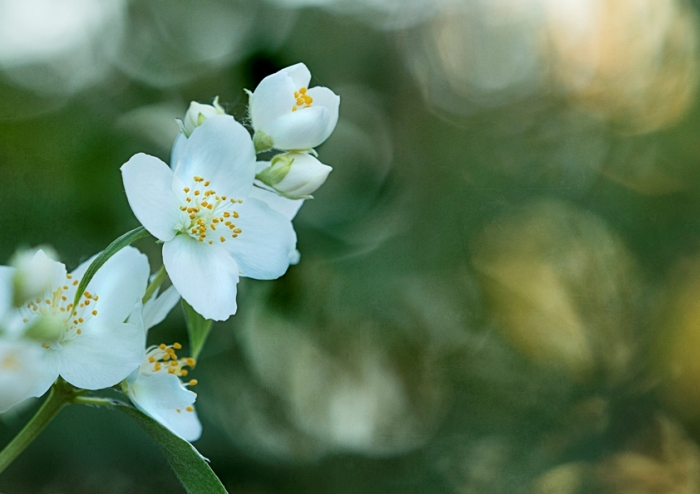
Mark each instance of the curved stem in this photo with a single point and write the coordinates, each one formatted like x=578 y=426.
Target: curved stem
x=157 y=281
x=60 y=395
x=94 y=401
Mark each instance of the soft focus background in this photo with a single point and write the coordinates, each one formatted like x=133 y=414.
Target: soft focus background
x=499 y=289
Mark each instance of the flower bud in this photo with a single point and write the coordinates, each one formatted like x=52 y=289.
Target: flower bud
x=197 y=113
x=34 y=273
x=294 y=175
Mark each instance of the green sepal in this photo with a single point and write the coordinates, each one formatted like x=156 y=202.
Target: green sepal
x=127 y=239
x=262 y=141
x=197 y=329
x=188 y=464
x=181 y=124
x=278 y=169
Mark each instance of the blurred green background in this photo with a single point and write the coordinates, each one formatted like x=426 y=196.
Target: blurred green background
x=499 y=288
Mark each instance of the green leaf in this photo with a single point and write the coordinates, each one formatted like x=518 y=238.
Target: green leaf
x=127 y=239
x=197 y=328
x=189 y=466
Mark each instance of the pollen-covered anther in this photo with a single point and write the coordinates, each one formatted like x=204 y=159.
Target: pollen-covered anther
x=206 y=211
x=302 y=99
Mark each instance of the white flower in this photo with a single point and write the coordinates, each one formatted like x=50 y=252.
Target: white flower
x=197 y=114
x=155 y=387
x=287 y=115
x=293 y=175
x=90 y=346
x=213 y=232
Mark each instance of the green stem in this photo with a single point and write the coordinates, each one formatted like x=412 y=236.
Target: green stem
x=60 y=395
x=93 y=401
x=157 y=281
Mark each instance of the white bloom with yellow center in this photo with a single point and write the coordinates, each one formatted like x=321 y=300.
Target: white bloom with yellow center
x=201 y=209
x=155 y=388
x=89 y=345
x=288 y=115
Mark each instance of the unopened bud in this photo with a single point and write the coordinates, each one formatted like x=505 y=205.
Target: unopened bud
x=197 y=114
x=34 y=273
x=294 y=175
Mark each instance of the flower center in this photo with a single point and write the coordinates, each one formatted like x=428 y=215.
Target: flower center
x=204 y=211
x=58 y=304
x=303 y=100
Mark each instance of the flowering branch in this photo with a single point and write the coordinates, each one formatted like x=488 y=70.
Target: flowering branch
x=61 y=394
x=220 y=215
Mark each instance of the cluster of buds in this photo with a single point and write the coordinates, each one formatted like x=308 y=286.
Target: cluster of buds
x=287 y=116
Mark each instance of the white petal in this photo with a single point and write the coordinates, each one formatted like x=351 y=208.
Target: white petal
x=103 y=355
x=300 y=130
x=158 y=308
x=221 y=151
x=147 y=182
x=286 y=207
x=153 y=391
x=328 y=99
x=183 y=423
x=299 y=73
x=6 y=274
x=119 y=283
x=26 y=370
x=273 y=98
x=48 y=367
x=205 y=275
x=177 y=149
x=264 y=246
